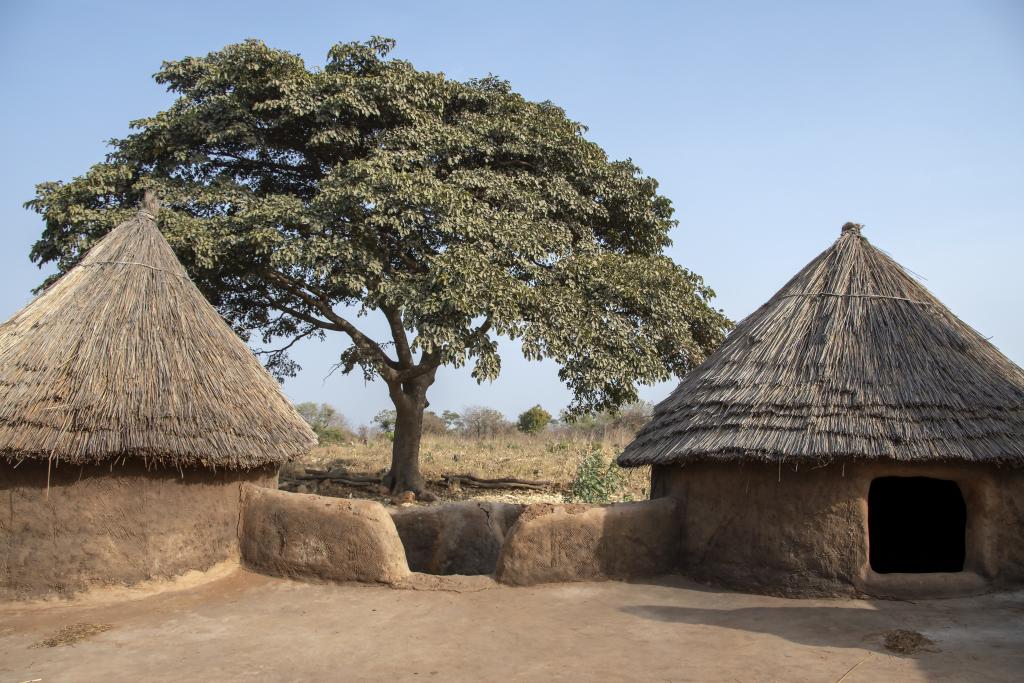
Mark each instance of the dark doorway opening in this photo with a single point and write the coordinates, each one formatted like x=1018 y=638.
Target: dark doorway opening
x=916 y=525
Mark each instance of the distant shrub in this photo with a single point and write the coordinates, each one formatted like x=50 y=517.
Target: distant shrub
x=364 y=434
x=385 y=421
x=598 y=479
x=333 y=435
x=433 y=423
x=327 y=423
x=452 y=420
x=481 y=422
x=633 y=416
x=628 y=418
x=534 y=420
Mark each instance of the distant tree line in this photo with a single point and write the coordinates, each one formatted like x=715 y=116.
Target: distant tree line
x=479 y=422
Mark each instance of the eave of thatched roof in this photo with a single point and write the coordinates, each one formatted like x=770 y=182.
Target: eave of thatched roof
x=852 y=359
x=122 y=357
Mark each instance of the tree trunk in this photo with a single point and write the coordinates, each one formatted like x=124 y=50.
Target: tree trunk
x=410 y=399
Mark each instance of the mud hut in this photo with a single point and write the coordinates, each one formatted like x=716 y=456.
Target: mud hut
x=850 y=436
x=130 y=414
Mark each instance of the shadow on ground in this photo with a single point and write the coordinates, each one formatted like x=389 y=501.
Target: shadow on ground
x=976 y=639
x=844 y=627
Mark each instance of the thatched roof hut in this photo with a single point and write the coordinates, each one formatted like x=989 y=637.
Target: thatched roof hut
x=130 y=417
x=850 y=436
x=851 y=359
x=122 y=357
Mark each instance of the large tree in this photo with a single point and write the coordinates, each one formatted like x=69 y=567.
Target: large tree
x=302 y=199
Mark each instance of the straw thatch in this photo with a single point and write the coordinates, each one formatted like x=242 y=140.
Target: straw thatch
x=851 y=359
x=123 y=357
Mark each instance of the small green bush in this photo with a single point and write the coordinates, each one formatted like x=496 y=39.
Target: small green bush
x=597 y=480
x=534 y=420
x=333 y=435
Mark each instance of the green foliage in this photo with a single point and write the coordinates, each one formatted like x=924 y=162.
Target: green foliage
x=299 y=197
x=598 y=480
x=329 y=425
x=385 y=421
x=332 y=435
x=534 y=420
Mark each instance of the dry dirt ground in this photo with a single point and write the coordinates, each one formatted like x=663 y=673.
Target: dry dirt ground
x=241 y=626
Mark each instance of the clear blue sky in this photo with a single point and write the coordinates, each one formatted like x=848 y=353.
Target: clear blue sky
x=767 y=124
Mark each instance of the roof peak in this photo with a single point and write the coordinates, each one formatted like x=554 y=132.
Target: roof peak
x=128 y=359
x=150 y=206
x=851 y=359
x=851 y=227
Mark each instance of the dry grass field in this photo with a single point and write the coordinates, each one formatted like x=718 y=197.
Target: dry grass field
x=553 y=455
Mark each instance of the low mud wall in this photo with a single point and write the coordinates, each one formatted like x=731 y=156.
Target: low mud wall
x=554 y=543
x=338 y=539
x=307 y=536
x=455 y=538
x=98 y=526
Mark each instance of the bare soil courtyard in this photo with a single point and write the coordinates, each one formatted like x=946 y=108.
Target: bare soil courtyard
x=243 y=626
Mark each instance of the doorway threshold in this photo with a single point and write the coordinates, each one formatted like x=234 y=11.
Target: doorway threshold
x=924 y=585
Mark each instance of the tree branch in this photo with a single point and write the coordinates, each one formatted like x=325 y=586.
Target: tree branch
x=484 y=328
x=399 y=335
x=269 y=352
x=413 y=265
x=259 y=164
x=364 y=343
x=324 y=324
x=431 y=360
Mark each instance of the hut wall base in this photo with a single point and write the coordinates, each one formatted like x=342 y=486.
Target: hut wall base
x=803 y=532
x=103 y=525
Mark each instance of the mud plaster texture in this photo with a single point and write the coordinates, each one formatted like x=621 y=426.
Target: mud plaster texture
x=804 y=532
x=106 y=525
x=457 y=538
x=314 y=537
x=555 y=543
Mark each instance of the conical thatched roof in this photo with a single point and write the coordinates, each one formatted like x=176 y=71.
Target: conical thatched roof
x=851 y=359
x=123 y=357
